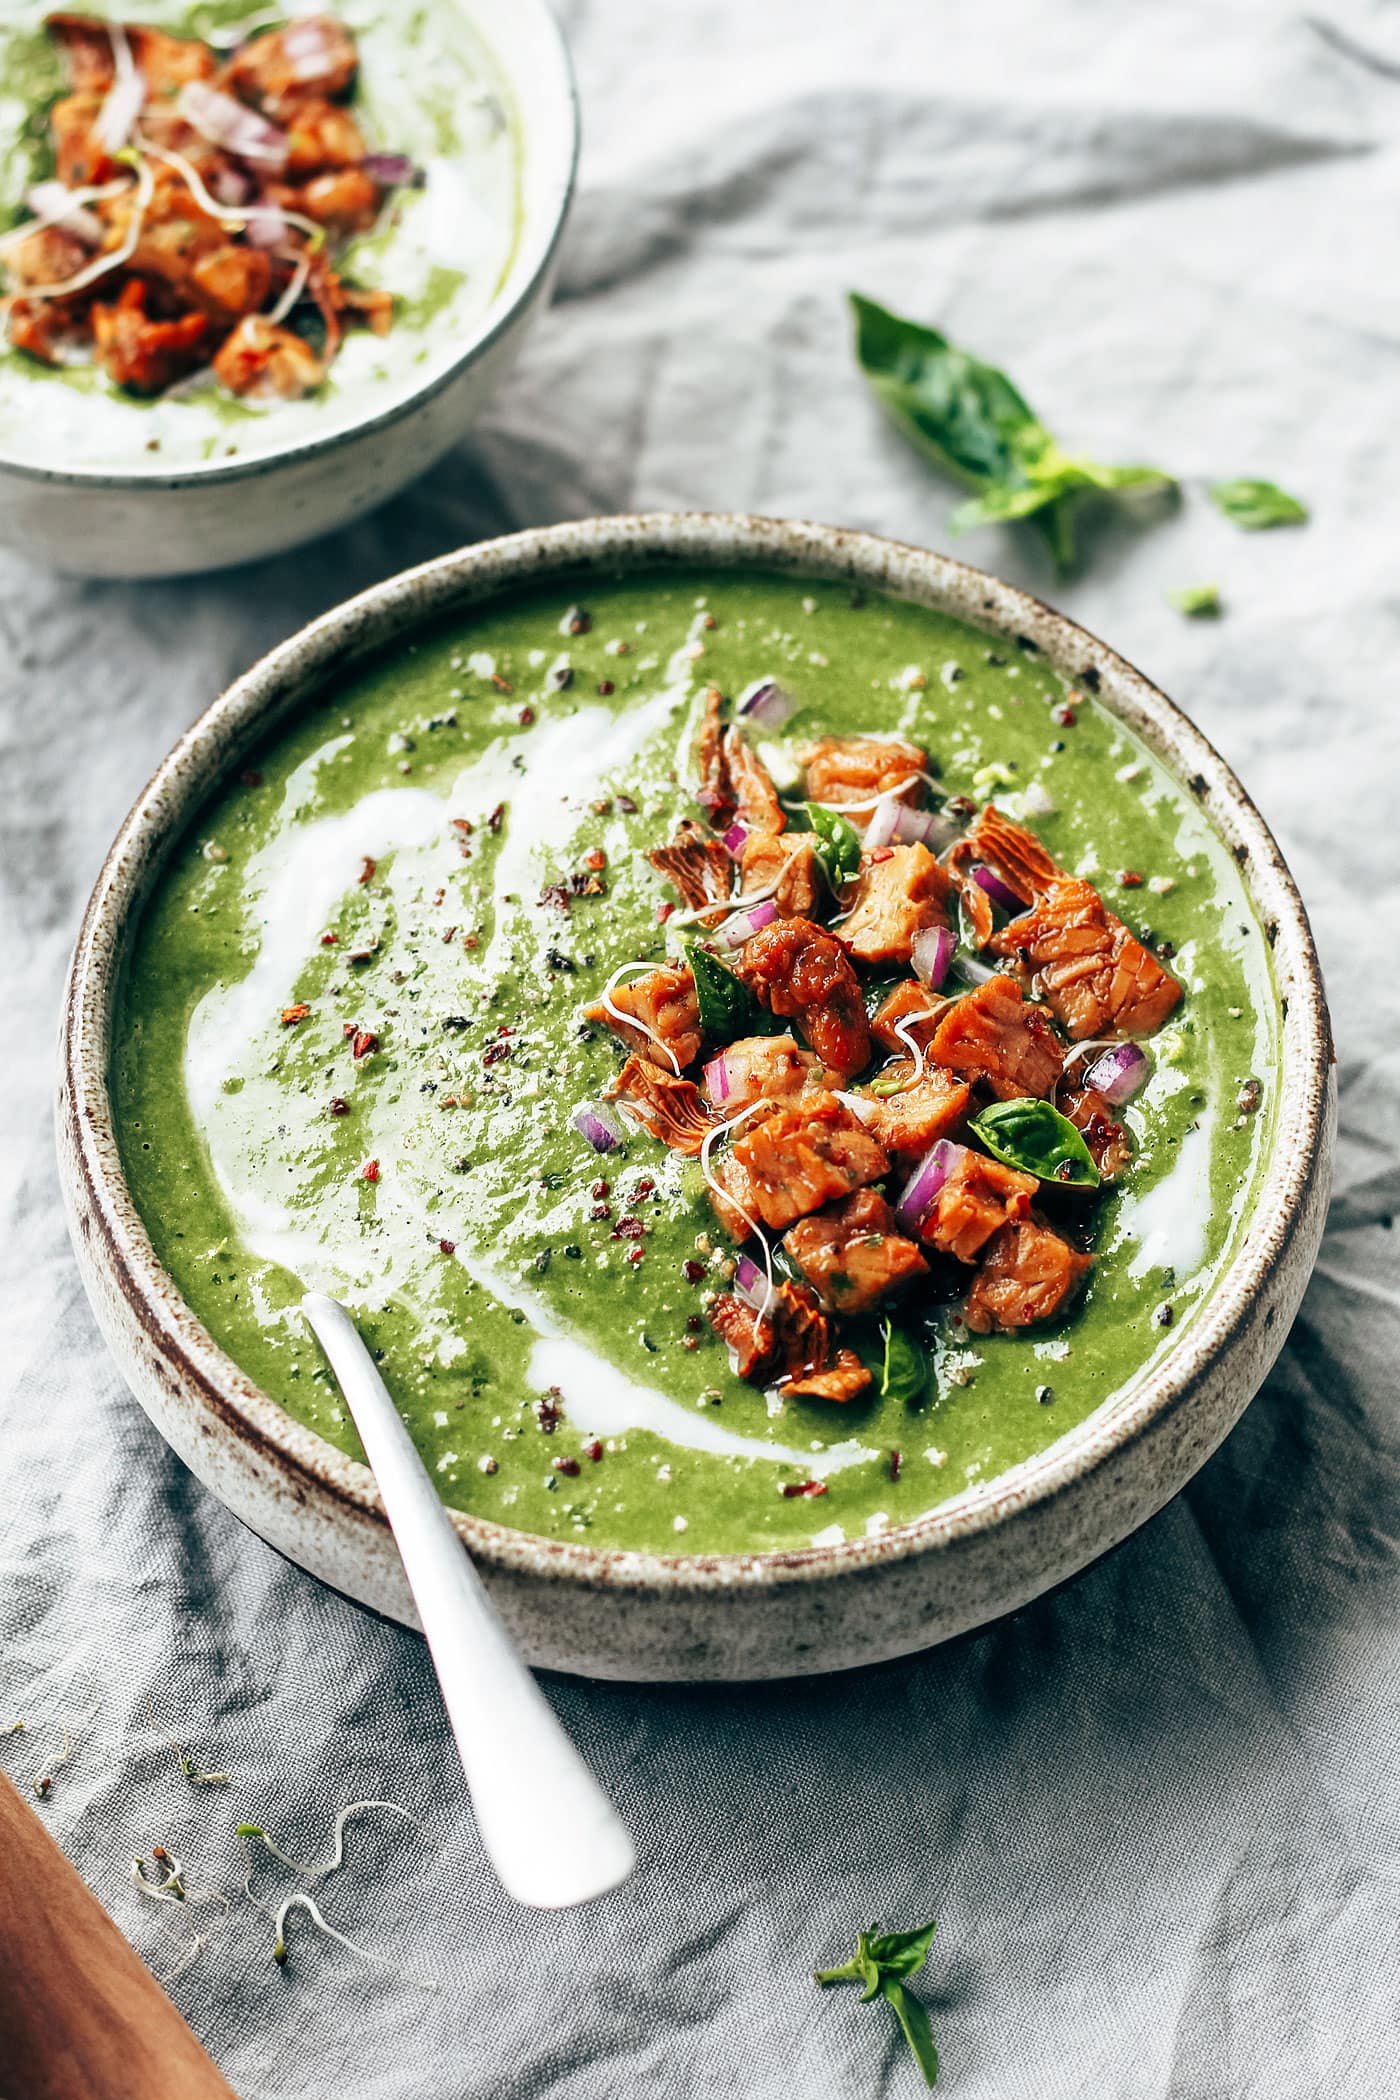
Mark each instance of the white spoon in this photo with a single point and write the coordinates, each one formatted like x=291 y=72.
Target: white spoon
x=548 y=1828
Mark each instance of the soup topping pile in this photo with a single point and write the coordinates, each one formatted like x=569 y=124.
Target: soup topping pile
x=198 y=201
x=909 y=1030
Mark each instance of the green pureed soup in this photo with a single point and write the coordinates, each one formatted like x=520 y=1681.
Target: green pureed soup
x=350 y=1052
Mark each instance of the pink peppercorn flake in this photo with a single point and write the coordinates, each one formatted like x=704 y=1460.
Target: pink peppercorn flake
x=338 y=1106
x=568 y=1466
x=693 y=1271
x=593 y=1450
x=370 y=1170
x=895 y=1463
x=447 y=1246
x=803 y=1487
x=548 y=1412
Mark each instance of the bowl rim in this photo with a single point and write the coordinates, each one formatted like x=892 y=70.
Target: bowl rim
x=387 y=614
x=528 y=270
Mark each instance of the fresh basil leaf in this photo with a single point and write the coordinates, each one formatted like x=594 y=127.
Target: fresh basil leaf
x=1036 y=1138
x=910 y=2013
x=838 y=844
x=1255 y=506
x=784 y=1267
x=727 y=1006
x=877 y=990
x=966 y=416
x=1200 y=601
x=1048 y=498
x=901 y=1953
x=903 y=1376
x=970 y=420
x=881 y=1962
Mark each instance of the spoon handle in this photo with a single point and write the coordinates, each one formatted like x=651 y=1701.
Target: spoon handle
x=548 y=1828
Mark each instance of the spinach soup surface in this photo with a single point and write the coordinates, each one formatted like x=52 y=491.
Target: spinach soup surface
x=354 y=1052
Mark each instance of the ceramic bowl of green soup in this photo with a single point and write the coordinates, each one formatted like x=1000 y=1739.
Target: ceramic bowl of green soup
x=259 y=268
x=809 y=1072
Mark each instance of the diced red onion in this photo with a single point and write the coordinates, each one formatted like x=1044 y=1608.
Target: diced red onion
x=716 y=1078
x=749 y=1280
x=53 y=202
x=229 y=123
x=999 y=892
x=232 y=186
x=927 y=1179
x=925 y=827
x=267 y=226
x=931 y=954
x=767 y=703
x=883 y=823
x=598 y=1127
x=1119 y=1073
x=735 y=839
x=393 y=171
x=745 y=924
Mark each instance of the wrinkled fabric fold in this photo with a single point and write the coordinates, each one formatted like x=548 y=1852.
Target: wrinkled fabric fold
x=1156 y=1814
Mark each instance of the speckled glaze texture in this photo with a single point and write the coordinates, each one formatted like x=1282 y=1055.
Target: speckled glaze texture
x=147 y=523
x=662 y=1617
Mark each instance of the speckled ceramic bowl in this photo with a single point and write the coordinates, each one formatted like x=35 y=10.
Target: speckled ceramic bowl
x=633 y=1615
x=101 y=486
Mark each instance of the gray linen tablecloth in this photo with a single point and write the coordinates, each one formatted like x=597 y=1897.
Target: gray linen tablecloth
x=1158 y=1815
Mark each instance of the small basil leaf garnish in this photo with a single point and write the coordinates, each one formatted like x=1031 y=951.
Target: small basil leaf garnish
x=903 y=1376
x=838 y=844
x=727 y=1006
x=914 y=2022
x=881 y=1963
x=1036 y=1138
x=970 y=420
x=901 y=1953
x=1256 y=506
x=1199 y=601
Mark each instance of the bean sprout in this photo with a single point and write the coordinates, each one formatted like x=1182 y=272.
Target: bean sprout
x=634 y=1020
x=717 y=1187
x=105 y=264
